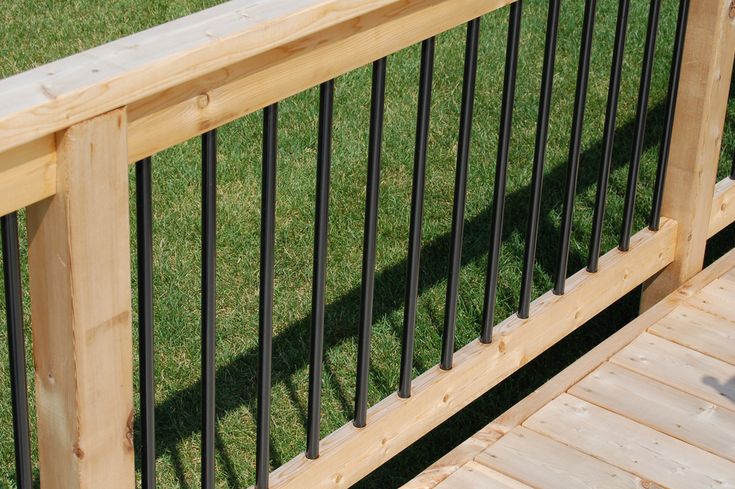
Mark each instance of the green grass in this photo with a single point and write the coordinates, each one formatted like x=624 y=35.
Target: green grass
x=38 y=32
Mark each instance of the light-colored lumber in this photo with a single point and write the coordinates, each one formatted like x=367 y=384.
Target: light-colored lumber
x=717 y=299
x=722 y=213
x=394 y=423
x=677 y=366
x=27 y=174
x=471 y=447
x=185 y=61
x=631 y=446
x=79 y=262
x=663 y=408
x=542 y=462
x=454 y=460
x=259 y=81
x=696 y=329
x=695 y=142
x=477 y=475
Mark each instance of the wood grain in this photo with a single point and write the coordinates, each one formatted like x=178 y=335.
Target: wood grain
x=350 y=453
x=663 y=408
x=722 y=213
x=542 y=462
x=701 y=104
x=631 y=446
x=27 y=174
x=677 y=366
x=79 y=263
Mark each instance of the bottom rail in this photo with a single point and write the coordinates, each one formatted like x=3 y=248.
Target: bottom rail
x=723 y=207
x=393 y=424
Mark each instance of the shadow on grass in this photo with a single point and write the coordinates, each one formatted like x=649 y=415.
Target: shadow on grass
x=178 y=417
x=411 y=461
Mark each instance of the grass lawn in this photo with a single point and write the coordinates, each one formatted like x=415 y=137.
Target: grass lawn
x=41 y=31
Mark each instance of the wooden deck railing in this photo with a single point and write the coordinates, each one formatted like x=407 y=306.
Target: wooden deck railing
x=69 y=130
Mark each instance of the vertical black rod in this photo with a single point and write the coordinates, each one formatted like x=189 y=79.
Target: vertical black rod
x=583 y=72
x=663 y=155
x=417 y=210
x=16 y=349
x=368 y=253
x=144 y=237
x=542 y=129
x=319 y=276
x=265 y=309
x=640 y=125
x=608 y=135
x=732 y=171
x=460 y=191
x=501 y=165
x=209 y=246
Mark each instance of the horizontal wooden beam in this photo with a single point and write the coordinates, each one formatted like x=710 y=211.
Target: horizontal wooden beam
x=57 y=95
x=350 y=453
x=239 y=89
x=723 y=207
x=183 y=78
x=211 y=49
x=27 y=174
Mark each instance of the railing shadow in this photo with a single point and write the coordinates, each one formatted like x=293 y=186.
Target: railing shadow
x=724 y=389
x=177 y=418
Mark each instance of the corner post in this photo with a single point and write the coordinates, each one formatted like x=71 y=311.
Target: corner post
x=696 y=138
x=79 y=262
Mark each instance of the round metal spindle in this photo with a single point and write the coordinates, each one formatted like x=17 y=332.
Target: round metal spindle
x=377 y=105
x=501 y=165
x=542 y=129
x=460 y=191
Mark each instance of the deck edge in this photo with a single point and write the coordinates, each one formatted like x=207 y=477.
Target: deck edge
x=561 y=382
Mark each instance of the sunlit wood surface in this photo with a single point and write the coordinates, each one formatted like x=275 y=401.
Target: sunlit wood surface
x=655 y=410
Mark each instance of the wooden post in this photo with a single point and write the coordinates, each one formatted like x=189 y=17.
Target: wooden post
x=697 y=134
x=79 y=260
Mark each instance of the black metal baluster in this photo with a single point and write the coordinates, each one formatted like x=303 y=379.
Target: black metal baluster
x=501 y=165
x=319 y=276
x=732 y=171
x=209 y=246
x=608 y=135
x=144 y=237
x=460 y=191
x=663 y=155
x=417 y=210
x=580 y=98
x=265 y=309
x=16 y=350
x=368 y=254
x=542 y=129
x=640 y=126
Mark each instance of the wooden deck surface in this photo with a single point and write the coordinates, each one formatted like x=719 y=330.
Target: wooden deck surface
x=652 y=407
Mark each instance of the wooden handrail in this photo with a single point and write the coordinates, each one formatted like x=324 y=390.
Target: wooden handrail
x=203 y=71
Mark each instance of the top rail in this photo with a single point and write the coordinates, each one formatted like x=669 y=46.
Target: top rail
x=53 y=96
x=216 y=47
x=202 y=71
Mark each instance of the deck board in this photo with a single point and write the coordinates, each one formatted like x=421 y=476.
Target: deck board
x=631 y=446
x=666 y=409
x=700 y=331
x=651 y=407
x=540 y=461
x=474 y=474
x=677 y=366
